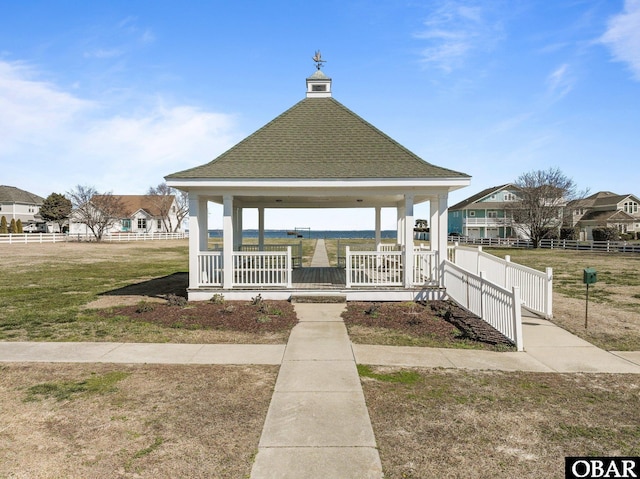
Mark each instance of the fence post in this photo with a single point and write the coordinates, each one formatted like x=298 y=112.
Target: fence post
x=549 y=294
x=507 y=259
x=483 y=276
x=289 y=268
x=517 y=319
x=347 y=265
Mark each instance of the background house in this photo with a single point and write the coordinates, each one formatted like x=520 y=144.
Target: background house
x=21 y=205
x=140 y=214
x=486 y=214
x=605 y=210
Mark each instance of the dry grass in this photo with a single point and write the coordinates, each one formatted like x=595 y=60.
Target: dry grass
x=454 y=423
x=152 y=421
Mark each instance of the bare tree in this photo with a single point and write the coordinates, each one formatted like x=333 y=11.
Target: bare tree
x=543 y=195
x=162 y=196
x=98 y=211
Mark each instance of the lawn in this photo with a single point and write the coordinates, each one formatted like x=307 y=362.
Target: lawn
x=75 y=292
x=151 y=421
x=456 y=423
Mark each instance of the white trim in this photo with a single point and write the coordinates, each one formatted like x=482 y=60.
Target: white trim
x=298 y=184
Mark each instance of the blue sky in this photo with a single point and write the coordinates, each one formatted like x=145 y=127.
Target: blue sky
x=118 y=94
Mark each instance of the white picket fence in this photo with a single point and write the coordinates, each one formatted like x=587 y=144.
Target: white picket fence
x=498 y=306
x=27 y=238
x=536 y=287
x=373 y=268
x=210 y=268
x=250 y=268
x=385 y=267
x=24 y=238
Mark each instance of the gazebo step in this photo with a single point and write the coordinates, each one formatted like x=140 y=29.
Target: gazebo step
x=318 y=298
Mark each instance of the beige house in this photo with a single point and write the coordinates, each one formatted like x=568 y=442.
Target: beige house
x=606 y=210
x=20 y=205
x=317 y=154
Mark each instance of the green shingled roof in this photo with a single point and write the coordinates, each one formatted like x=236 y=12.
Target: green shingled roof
x=318 y=138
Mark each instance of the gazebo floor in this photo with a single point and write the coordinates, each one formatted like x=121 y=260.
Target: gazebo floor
x=318 y=277
x=323 y=281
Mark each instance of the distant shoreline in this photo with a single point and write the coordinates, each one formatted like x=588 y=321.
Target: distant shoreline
x=311 y=234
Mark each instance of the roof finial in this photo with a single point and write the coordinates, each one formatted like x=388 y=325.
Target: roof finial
x=318 y=59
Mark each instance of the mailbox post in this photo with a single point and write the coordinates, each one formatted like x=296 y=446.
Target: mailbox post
x=589 y=276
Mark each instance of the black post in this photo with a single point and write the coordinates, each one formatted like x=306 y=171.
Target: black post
x=586 y=311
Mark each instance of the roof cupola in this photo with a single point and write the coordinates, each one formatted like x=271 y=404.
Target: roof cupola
x=318 y=84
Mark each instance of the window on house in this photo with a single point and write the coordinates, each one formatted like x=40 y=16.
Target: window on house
x=492 y=214
x=159 y=225
x=509 y=196
x=318 y=87
x=631 y=207
x=472 y=213
x=142 y=223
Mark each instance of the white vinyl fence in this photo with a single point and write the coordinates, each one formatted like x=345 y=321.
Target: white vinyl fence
x=498 y=306
x=536 y=287
x=249 y=268
x=24 y=238
x=373 y=268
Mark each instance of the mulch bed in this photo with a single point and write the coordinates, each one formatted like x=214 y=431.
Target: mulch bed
x=443 y=320
x=266 y=317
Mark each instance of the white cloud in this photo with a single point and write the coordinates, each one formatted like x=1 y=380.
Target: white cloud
x=560 y=82
x=455 y=30
x=52 y=140
x=623 y=36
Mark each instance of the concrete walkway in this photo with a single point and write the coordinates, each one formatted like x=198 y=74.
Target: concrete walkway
x=318 y=425
x=320 y=259
x=548 y=348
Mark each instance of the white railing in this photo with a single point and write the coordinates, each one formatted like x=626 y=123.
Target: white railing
x=389 y=247
x=373 y=268
x=602 y=246
x=536 y=287
x=210 y=268
x=262 y=268
x=296 y=250
x=498 y=306
x=22 y=238
x=425 y=268
x=487 y=221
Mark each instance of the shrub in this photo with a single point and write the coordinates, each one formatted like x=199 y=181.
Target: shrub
x=144 y=307
x=3 y=226
x=217 y=298
x=569 y=234
x=12 y=226
x=175 y=300
x=19 y=229
x=605 y=234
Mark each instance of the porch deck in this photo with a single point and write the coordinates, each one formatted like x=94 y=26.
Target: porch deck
x=319 y=277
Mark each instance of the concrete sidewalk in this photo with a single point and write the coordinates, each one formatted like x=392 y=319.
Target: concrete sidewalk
x=318 y=425
x=548 y=348
x=320 y=258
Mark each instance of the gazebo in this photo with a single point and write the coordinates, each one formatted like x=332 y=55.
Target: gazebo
x=317 y=154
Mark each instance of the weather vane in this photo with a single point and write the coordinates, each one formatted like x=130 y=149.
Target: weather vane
x=318 y=59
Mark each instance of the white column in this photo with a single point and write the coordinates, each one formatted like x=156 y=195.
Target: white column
x=194 y=240
x=433 y=224
x=408 y=236
x=203 y=223
x=400 y=228
x=237 y=227
x=261 y=228
x=443 y=223
x=227 y=241
x=378 y=226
